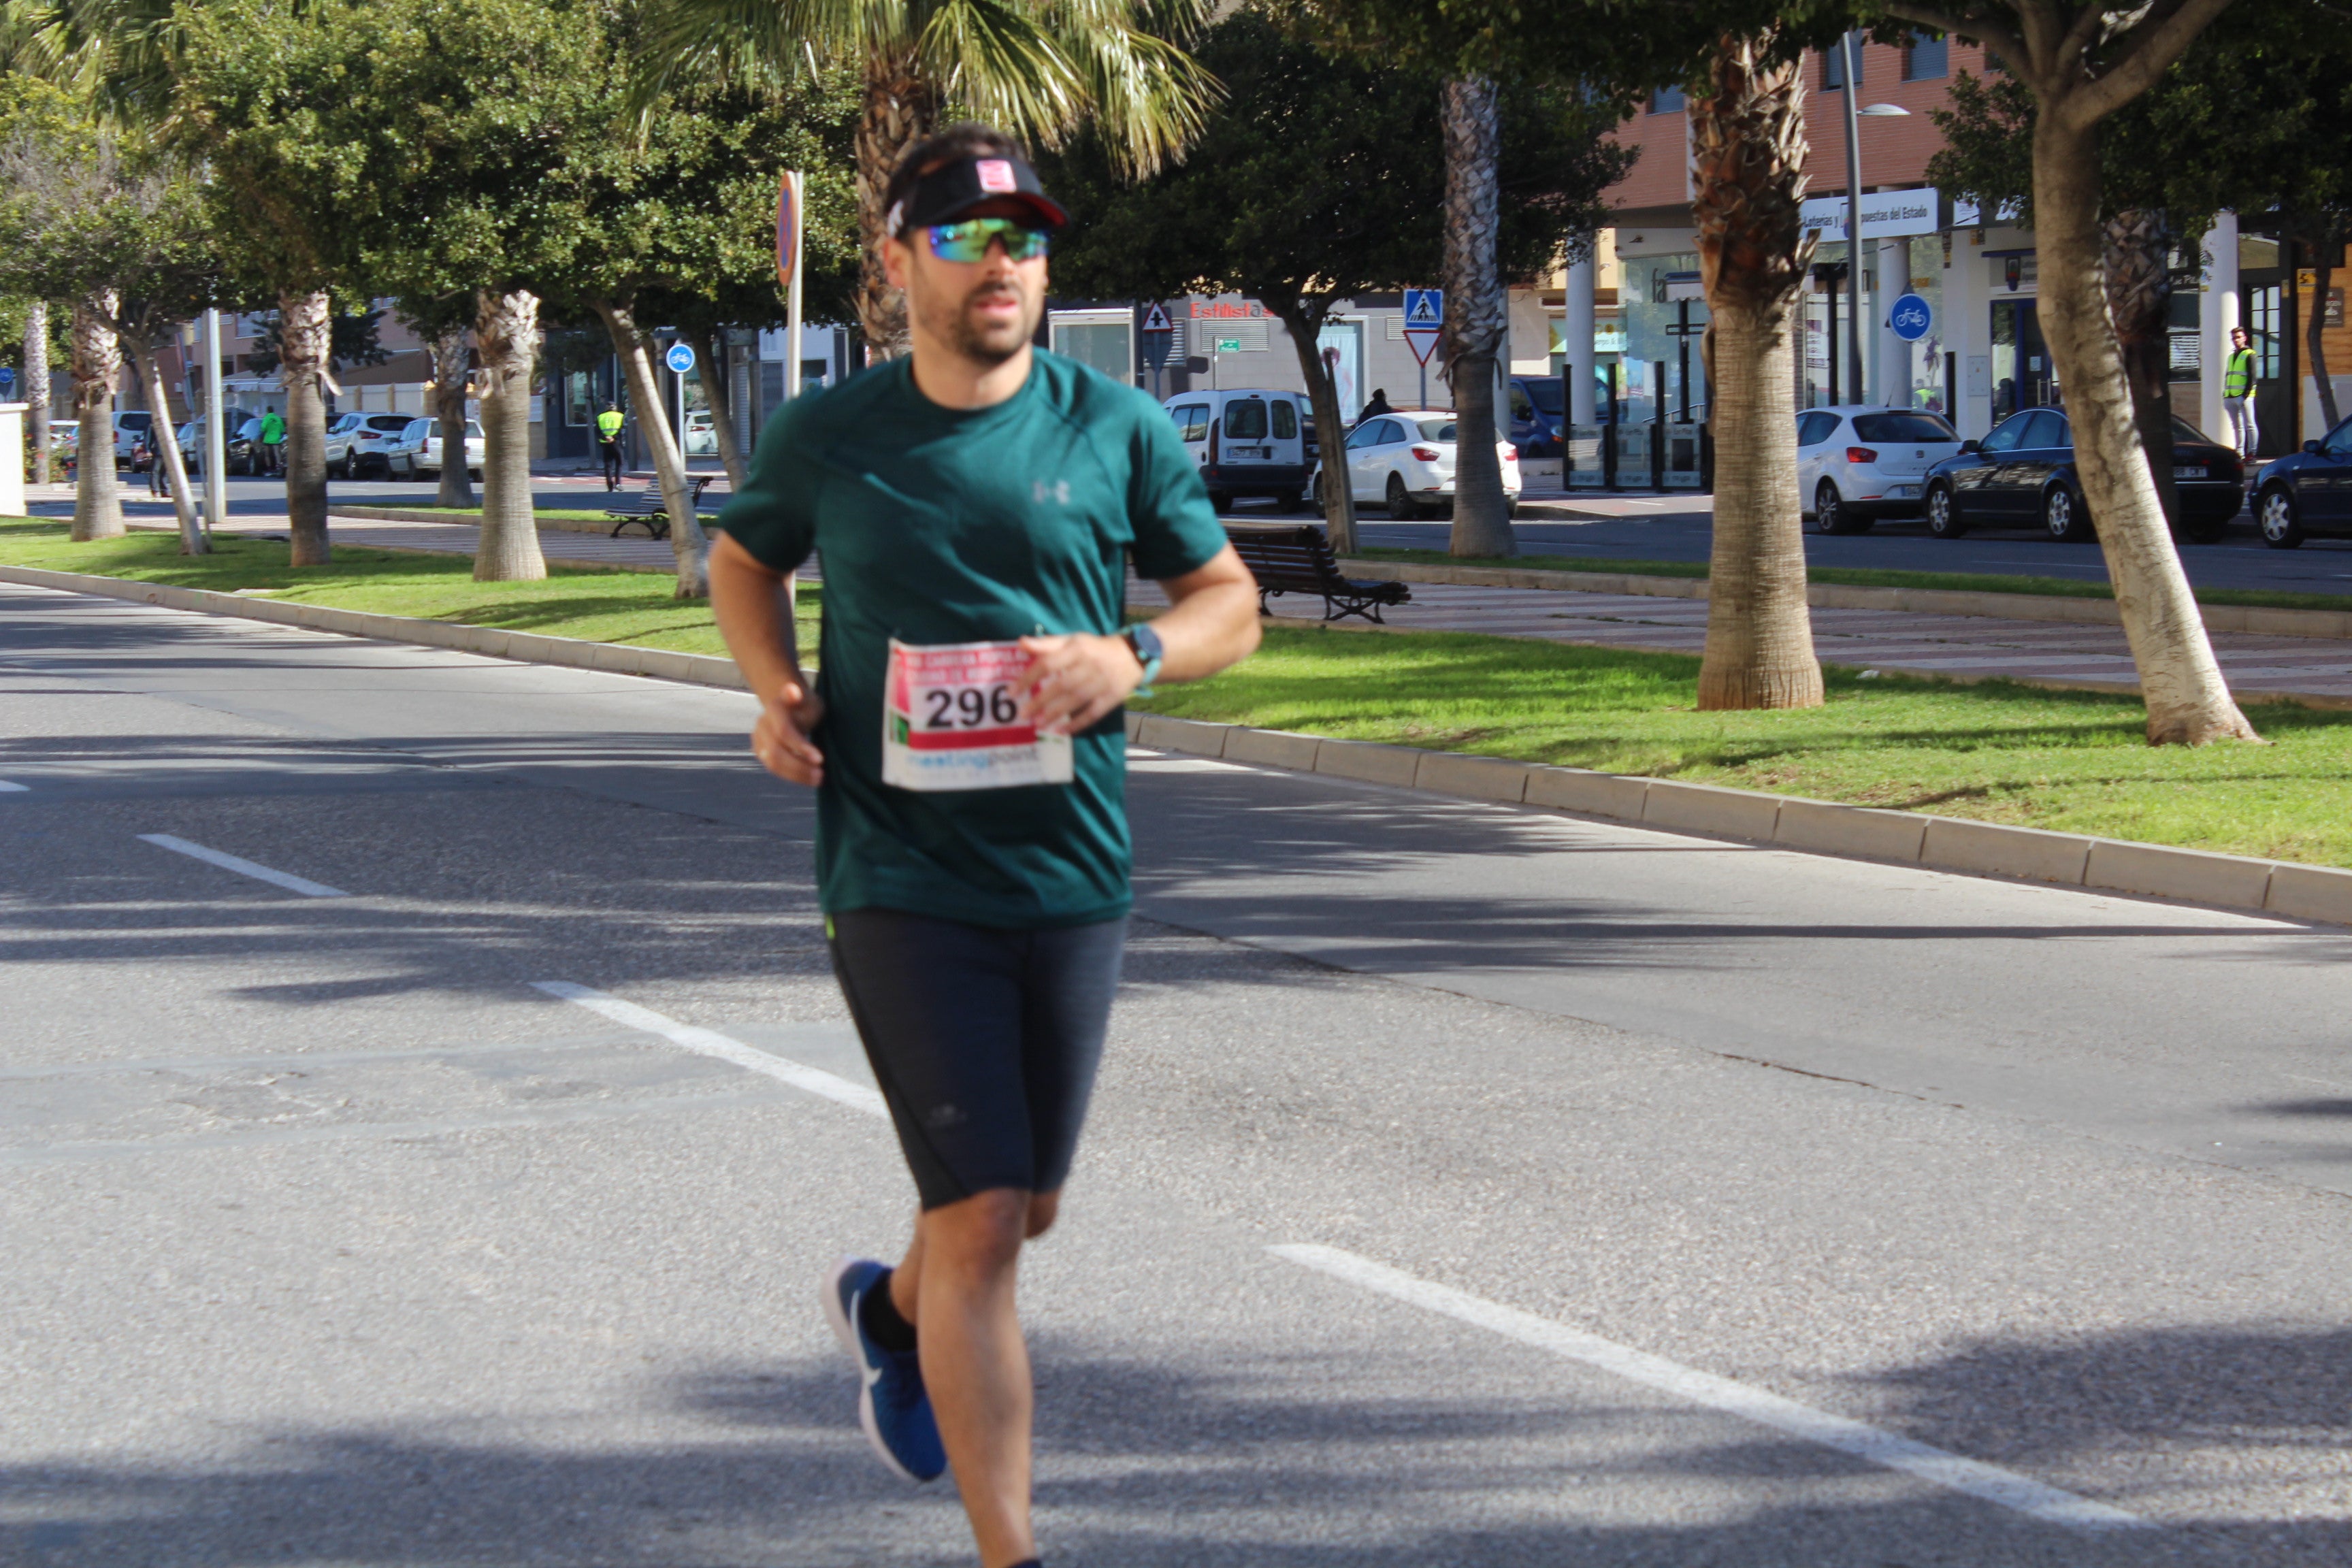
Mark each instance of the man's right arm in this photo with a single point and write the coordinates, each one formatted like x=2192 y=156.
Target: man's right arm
x=748 y=597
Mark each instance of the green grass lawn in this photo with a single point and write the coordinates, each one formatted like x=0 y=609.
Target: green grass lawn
x=631 y=607
x=1865 y=577
x=1998 y=752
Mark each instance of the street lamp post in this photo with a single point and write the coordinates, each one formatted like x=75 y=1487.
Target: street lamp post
x=1852 y=59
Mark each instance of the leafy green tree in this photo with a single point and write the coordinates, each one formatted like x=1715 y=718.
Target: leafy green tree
x=1040 y=69
x=1316 y=180
x=678 y=228
x=1738 y=58
x=2082 y=63
x=105 y=220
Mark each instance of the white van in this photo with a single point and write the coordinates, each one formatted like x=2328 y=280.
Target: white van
x=1248 y=441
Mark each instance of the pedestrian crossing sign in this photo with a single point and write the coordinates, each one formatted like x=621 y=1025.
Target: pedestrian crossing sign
x=1424 y=307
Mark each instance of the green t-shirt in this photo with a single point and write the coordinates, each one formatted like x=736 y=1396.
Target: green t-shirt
x=273 y=429
x=939 y=526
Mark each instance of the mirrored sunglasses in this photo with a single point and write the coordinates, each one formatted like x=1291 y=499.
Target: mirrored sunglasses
x=969 y=240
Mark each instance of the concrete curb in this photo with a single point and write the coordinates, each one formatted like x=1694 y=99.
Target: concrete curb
x=1817 y=826
x=1786 y=822
x=2261 y=620
x=527 y=647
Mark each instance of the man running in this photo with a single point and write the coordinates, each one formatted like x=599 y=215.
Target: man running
x=974 y=505
x=608 y=444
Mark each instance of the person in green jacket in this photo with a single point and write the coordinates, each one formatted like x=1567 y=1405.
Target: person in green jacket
x=608 y=444
x=273 y=442
x=2238 y=392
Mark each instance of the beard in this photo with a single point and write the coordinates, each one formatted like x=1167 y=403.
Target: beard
x=985 y=344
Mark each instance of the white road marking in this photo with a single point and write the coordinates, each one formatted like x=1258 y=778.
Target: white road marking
x=711 y=1043
x=1990 y=1483
x=244 y=868
x=9 y=786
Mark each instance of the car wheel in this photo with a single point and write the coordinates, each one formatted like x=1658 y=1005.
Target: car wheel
x=2274 y=515
x=1401 y=504
x=2063 y=516
x=1829 y=508
x=1221 y=501
x=1308 y=500
x=351 y=465
x=1944 y=513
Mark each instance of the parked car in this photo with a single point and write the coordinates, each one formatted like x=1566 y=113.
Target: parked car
x=1858 y=463
x=1248 y=441
x=242 y=455
x=701 y=436
x=1405 y=460
x=191 y=437
x=65 y=441
x=2307 y=493
x=355 y=442
x=130 y=426
x=1538 y=413
x=415 y=454
x=2022 y=475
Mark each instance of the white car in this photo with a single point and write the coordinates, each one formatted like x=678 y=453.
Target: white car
x=356 y=442
x=1405 y=460
x=701 y=436
x=1246 y=441
x=415 y=452
x=1858 y=464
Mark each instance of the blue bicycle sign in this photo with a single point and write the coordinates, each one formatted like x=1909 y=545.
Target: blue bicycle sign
x=1911 y=318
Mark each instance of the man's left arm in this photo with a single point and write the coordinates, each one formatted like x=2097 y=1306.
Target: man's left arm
x=1074 y=680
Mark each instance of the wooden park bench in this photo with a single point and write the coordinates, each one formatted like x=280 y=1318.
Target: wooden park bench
x=647 y=506
x=1296 y=559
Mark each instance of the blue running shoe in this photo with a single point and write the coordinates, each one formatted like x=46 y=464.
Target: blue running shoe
x=891 y=1404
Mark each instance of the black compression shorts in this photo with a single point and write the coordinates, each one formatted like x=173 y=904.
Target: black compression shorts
x=985 y=1042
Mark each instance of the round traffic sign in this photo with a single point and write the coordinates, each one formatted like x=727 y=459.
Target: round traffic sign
x=680 y=358
x=1911 y=318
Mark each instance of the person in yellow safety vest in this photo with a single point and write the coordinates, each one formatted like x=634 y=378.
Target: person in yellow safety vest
x=608 y=445
x=2238 y=392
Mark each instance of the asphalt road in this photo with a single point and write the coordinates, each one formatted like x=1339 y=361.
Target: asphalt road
x=1640 y=1199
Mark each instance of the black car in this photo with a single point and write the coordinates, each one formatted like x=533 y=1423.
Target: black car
x=2308 y=493
x=2022 y=476
x=243 y=443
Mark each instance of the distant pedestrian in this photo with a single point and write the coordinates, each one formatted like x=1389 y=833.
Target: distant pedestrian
x=147 y=451
x=608 y=444
x=1377 y=407
x=273 y=442
x=2238 y=392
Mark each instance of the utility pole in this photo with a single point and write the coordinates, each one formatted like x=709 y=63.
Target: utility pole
x=216 y=431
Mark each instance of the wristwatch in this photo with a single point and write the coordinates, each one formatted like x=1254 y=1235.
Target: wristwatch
x=1149 y=652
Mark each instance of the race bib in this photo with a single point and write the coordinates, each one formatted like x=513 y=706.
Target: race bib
x=950 y=721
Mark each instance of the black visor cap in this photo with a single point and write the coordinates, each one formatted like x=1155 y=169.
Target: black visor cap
x=947 y=193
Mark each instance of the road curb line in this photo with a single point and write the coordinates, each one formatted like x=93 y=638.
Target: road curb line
x=497 y=642
x=474 y=520
x=2293 y=889
x=1786 y=822
x=2260 y=620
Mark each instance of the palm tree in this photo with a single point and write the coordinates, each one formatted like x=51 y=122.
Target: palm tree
x=1039 y=70
x=1478 y=310
x=1748 y=149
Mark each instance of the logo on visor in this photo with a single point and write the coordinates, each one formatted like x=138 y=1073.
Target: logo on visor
x=996 y=174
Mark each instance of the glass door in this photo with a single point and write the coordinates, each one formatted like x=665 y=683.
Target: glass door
x=2021 y=376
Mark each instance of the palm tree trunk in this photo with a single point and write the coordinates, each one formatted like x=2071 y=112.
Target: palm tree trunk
x=505 y=324
x=902 y=105
x=688 y=543
x=722 y=398
x=1478 y=312
x=1748 y=152
x=2187 y=701
x=97 y=361
x=305 y=333
x=193 y=538
x=450 y=364
x=1330 y=425
x=2135 y=246
x=37 y=386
